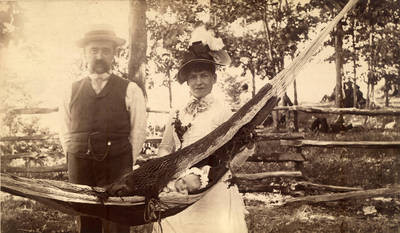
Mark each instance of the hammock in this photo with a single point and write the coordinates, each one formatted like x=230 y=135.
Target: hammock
x=140 y=200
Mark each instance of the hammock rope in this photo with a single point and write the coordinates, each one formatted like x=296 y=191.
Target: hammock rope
x=208 y=145
x=147 y=181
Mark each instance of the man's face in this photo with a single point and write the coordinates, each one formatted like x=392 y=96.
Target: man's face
x=201 y=82
x=99 y=56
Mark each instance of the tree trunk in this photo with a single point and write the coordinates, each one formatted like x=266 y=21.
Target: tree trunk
x=370 y=68
x=295 y=113
x=354 y=93
x=267 y=32
x=386 y=99
x=169 y=89
x=386 y=93
x=372 y=93
x=163 y=5
x=339 y=64
x=253 y=82
x=368 y=91
x=354 y=66
x=138 y=43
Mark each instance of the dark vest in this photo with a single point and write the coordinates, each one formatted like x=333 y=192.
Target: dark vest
x=100 y=123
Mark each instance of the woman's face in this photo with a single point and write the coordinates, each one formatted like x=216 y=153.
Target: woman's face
x=188 y=183
x=200 y=82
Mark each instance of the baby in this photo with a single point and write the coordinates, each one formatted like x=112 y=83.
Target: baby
x=192 y=180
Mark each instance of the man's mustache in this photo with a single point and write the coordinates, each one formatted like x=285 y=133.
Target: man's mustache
x=100 y=66
x=100 y=63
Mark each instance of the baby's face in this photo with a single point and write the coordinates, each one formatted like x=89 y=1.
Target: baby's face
x=188 y=183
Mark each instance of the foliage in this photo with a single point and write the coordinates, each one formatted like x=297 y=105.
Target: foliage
x=260 y=34
x=277 y=28
x=11 y=22
x=233 y=89
x=170 y=26
x=369 y=34
x=15 y=95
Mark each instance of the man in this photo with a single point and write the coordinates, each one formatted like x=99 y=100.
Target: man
x=104 y=122
x=221 y=209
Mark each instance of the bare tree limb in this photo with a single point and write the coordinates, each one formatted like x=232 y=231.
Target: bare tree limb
x=262 y=175
x=351 y=144
x=393 y=190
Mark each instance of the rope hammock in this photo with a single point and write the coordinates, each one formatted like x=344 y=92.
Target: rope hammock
x=135 y=198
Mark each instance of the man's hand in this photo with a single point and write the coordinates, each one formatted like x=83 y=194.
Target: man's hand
x=118 y=190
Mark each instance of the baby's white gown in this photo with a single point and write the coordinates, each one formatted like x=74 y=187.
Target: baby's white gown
x=221 y=210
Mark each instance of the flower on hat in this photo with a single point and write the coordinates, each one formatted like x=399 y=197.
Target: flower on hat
x=204 y=48
x=207 y=37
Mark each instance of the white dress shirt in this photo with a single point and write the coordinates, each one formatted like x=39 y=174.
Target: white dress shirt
x=135 y=104
x=201 y=123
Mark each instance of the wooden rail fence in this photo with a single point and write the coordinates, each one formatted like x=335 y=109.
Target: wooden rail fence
x=295 y=140
x=352 y=111
x=348 y=144
x=306 y=109
x=46 y=110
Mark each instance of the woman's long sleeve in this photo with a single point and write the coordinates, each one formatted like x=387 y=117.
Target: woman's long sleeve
x=167 y=144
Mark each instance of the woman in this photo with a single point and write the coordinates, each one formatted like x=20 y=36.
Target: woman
x=221 y=209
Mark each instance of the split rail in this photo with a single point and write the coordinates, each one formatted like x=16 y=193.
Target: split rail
x=291 y=140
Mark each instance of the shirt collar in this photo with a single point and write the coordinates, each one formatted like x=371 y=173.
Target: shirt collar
x=196 y=105
x=103 y=76
x=208 y=98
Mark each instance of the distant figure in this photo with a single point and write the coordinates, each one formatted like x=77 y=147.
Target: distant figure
x=286 y=100
x=396 y=91
x=338 y=126
x=329 y=98
x=245 y=95
x=245 y=87
x=348 y=98
x=268 y=121
x=361 y=101
x=348 y=95
x=320 y=124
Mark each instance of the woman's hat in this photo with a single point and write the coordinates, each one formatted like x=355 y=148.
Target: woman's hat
x=100 y=32
x=199 y=52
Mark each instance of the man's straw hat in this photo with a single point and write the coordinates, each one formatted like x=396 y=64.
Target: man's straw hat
x=100 y=32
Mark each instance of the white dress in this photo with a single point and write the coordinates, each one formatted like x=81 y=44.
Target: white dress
x=221 y=209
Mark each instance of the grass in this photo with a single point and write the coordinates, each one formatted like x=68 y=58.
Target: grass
x=344 y=216
x=24 y=215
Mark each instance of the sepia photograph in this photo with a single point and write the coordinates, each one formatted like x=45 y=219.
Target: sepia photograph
x=199 y=116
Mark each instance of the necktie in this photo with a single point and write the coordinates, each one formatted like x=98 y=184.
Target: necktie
x=97 y=83
x=98 y=80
